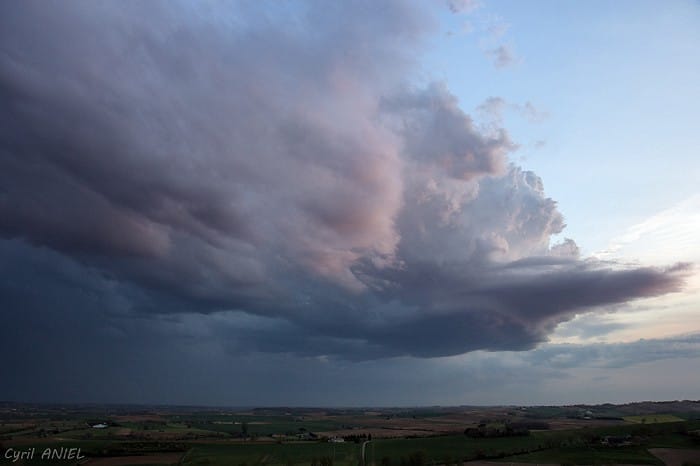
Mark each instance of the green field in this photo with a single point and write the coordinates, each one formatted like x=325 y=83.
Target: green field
x=343 y=454
x=437 y=449
x=587 y=455
x=652 y=418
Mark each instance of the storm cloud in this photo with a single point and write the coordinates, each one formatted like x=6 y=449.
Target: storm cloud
x=275 y=181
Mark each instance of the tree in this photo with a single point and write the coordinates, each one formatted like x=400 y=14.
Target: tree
x=244 y=429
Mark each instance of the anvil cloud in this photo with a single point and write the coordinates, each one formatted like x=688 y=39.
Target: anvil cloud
x=286 y=171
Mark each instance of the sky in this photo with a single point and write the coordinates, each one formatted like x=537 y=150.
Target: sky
x=366 y=203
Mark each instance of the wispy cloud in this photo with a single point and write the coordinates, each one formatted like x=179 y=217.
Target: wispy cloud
x=463 y=6
x=615 y=355
x=670 y=233
x=494 y=108
x=502 y=56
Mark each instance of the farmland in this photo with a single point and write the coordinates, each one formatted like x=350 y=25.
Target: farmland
x=652 y=418
x=113 y=435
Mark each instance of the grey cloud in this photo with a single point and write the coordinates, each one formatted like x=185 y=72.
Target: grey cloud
x=494 y=108
x=617 y=355
x=450 y=313
x=438 y=135
x=590 y=326
x=529 y=111
x=160 y=151
x=501 y=309
x=495 y=27
x=566 y=248
x=502 y=56
x=463 y=6
x=290 y=184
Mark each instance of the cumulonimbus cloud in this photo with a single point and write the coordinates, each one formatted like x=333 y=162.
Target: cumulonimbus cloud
x=232 y=161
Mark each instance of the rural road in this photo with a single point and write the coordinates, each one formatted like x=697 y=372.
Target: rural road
x=364 y=444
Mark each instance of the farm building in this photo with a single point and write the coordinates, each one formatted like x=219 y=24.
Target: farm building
x=616 y=441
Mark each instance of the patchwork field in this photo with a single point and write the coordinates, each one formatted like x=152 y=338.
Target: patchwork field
x=642 y=433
